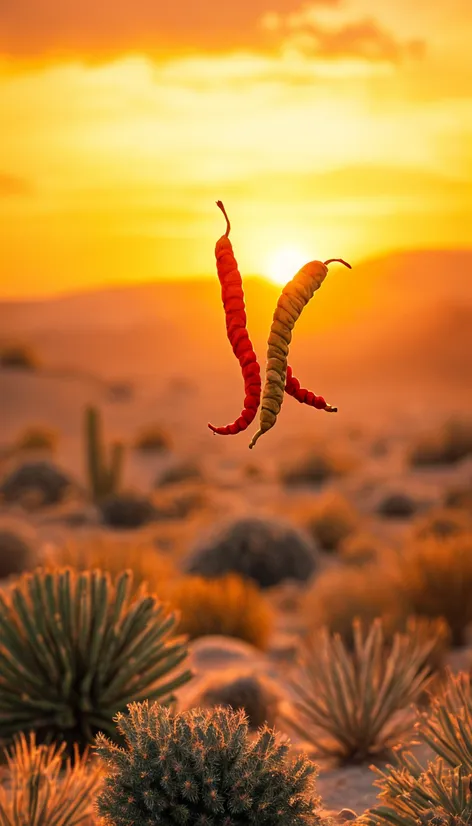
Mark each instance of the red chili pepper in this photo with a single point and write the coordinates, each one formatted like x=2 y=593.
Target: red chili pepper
x=304 y=396
x=232 y=295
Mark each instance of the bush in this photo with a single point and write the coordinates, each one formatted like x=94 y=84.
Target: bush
x=153 y=439
x=459 y=497
x=76 y=648
x=251 y=692
x=230 y=606
x=127 y=510
x=18 y=357
x=451 y=443
x=16 y=553
x=361 y=549
x=42 y=791
x=314 y=468
x=332 y=520
x=341 y=595
x=260 y=549
x=435 y=578
x=42 y=482
x=201 y=767
x=182 y=472
x=442 y=524
x=359 y=701
x=146 y=564
x=440 y=793
x=37 y=438
x=397 y=506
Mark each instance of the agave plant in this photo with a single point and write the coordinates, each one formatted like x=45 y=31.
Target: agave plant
x=75 y=649
x=43 y=791
x=441 y=793
x=355 y=704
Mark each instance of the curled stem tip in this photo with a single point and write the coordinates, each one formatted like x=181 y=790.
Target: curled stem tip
x=255 y=438
x=330 y=409
x=219 y=204
x=338 y=261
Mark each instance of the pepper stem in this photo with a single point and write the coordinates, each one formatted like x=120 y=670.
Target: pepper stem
x=219 y=204
x=338 y=260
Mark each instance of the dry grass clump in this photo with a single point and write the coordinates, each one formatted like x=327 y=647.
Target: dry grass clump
x=442 y=523
x=37 y=437
x=340 y=595
x=435 y=578
x=267 y=551
x=153 y=439
x=448 y=445
x=230 y=606
x=41 y=483
x=106 y=554
x=18 y=357
x=331 y=520
x=315 y=467
x=45 y=790
x=181 y=472
x=441 y=793
x=356 y=704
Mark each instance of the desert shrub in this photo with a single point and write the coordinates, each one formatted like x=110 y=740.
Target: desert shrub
x=199 y=767
x=435 y=578
x=76 y=648
x=451 y=443
x=37 y=438
x=397 y=506
x=314 y=468
x=459 y=497
x=182 y=472
x=153 y=439
x=331 y=520
x=146 y=564
x=361 y=548
x=441 y=524
x=17 y=554
x=18 y=357
x=340 y=595
x=267 y=551
x=41 y=481
x=441 y=793
x=355 y=704
x=42 y=790
x=127 y=510
x=230 y=606
x=252 y=692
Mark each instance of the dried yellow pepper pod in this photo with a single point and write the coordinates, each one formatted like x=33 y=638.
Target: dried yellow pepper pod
x=295 y=295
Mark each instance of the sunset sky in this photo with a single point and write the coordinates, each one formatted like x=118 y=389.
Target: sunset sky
x=328 y=128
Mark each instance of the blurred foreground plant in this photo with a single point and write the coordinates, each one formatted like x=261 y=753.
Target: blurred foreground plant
x=44 y=792
x=358 y=701
x=75 y=649
x=202 y=767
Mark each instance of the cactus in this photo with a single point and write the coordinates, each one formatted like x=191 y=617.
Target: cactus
x=104 y=478
x=202 y=767
x=76 y=649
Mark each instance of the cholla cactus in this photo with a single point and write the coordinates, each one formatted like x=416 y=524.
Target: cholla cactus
x=200 y=768
x=76 y=649
x=42 y=791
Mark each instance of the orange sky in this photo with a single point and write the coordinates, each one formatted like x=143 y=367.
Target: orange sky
x=337 y=127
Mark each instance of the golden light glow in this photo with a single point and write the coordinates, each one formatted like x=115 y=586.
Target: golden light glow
x=284 y=262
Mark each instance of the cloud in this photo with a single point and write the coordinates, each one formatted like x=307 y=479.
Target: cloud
x=11 y=185
x=97 y=30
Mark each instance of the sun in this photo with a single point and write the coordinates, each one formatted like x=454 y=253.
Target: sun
x=284 y=262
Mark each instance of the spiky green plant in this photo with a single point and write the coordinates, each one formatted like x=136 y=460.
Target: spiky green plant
x=441 y=793
x=42 y=790
x=76 y=648
x=104 y=477
x=201 y=768
x=353 y=704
